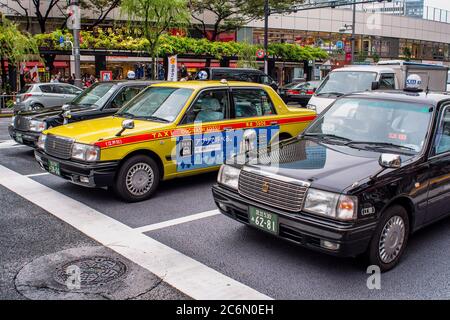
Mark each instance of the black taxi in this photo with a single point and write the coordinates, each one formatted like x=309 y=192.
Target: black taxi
x=100 y=100
x=368 y=172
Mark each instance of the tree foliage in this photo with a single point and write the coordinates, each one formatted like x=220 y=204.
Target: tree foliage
x=155 y=17
x=133 y=39
x=230 y=15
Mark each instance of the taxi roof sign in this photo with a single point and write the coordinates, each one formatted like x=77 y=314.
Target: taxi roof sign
x=413 y=83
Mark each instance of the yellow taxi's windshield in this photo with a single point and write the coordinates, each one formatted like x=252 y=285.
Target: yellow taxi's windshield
x=157 y=103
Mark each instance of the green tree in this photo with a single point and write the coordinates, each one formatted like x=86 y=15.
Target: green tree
x=230 y=15
x=15 y=46
x=156 y=17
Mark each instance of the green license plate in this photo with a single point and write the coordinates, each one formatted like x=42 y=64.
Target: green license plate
x=263 y=219
x=53 y=167
x=19 y=138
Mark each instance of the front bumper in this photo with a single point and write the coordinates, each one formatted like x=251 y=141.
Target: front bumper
x=100 y=174
x=306 y=231
x=27 y=138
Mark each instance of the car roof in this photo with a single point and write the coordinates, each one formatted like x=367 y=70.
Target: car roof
x=367 y=68
x=235 y=69
x=199 y=84
x=132 y=82
x=433 y=98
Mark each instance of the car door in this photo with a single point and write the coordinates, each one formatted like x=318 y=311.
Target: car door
x=439 y=169
x=50 y=96
x=254 y=112
x=204 y=125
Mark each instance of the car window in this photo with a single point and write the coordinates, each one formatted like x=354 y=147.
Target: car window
x=400 y=123
x=47 y=88
x=97 y=94
x=125 y=95
x=211 y=105
x=387 y=81
x=252 y=103
x=442 y=141
x=69 y=89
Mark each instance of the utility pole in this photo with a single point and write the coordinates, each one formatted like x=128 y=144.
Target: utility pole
x=354 y=32
x=266 y=35
x=74 y=23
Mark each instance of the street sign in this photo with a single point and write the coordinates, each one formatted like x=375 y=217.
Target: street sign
x=260 y=53
x=61 y=42
x=340 y=45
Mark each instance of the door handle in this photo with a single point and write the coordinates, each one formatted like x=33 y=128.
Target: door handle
x=228 y=129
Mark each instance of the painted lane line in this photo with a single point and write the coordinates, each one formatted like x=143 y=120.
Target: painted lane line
x=10 y=144
x=178 y=270
x=174 y=222
x=37 y=174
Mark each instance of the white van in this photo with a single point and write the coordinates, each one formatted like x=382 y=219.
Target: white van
x=386 y=75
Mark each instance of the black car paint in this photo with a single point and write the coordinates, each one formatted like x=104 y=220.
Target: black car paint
x=54 y=116
x=421 y=185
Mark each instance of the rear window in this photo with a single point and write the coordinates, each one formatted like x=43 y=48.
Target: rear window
x=26 y=88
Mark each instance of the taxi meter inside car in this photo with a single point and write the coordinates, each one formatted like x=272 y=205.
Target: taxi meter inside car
x=169 y=130
x=370 y=170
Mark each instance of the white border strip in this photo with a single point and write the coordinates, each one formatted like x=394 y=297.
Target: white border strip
x=181 y=220
x=10 y=144
x=180 y=271
x=37 y=174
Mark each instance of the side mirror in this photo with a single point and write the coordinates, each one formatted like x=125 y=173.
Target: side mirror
x=375 y=85
x=390 y=161
x=126 y=124
x=65 y=107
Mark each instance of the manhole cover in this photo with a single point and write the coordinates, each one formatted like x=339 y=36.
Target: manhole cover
x=92 y=271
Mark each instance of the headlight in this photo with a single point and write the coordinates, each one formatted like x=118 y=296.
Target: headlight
x=311 y=107
x=85 y=152
x=37 y=125
x=13 y=118
x=333 y=205
x=41 y=141
x=229 y=176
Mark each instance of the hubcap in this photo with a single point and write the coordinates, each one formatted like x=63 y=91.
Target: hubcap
x=139 y=179
x=392 y=239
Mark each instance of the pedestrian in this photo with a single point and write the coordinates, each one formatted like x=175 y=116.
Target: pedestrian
x=183 y=71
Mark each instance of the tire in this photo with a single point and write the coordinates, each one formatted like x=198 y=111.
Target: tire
x=131 y=184
x=37 y=106
x=390 y=239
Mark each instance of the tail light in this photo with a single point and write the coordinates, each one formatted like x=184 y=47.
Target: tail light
x=26 y=96
x=293 y=92
x=309 y=91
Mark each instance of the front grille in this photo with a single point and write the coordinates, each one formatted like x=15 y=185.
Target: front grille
x=58 y=147
x=22 y=123
x=272 y=191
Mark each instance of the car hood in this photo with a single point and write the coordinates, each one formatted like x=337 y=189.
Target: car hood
x=321 y=103
x=95 y=130
x=325 y=166
x=43 y=114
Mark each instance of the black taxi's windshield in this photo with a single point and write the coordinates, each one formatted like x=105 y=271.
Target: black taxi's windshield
x=157 y=103
x=375 y=124
x=339 y=83
x=96 y=95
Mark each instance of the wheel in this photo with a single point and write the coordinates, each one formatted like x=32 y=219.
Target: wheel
x=390 y=238
x=137 y=179
x=37 y=106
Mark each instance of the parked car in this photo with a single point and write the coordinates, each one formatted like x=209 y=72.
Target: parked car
x=300 y=93
x=45 y=95
x=369 y=171
x=100 y=100
x=238 y=74
x=170 y=130
x=386 y=75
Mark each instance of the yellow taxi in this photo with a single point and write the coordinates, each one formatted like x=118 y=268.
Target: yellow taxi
x=171 y=129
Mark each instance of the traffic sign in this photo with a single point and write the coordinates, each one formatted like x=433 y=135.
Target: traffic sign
x=260 y=53
x=340 y=45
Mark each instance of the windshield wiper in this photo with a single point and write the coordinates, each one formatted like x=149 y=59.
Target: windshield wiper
x=155 y=118
x=327 y=136
x=378 y=145
x=337 y=94
x=125 y=115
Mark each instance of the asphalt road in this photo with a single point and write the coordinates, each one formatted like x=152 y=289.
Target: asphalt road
x=270 y=266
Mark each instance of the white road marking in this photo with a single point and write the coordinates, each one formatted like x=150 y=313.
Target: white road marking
x=174 y=222
x=10 y=144
x=178 y=270
x=37 y=174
